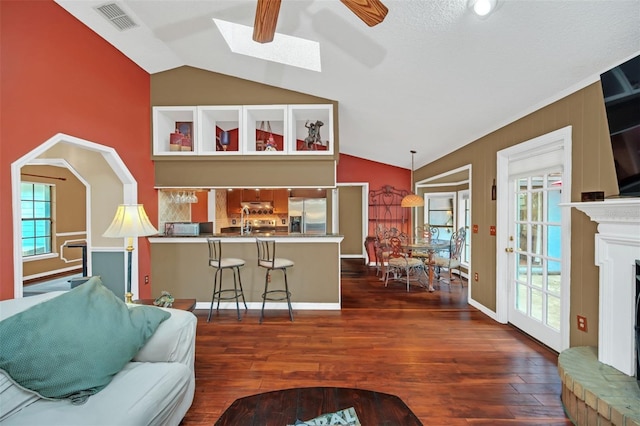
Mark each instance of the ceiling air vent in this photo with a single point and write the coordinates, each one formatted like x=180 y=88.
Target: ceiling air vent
x=116 y=16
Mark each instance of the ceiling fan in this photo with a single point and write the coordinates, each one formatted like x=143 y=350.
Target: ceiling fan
x=372 y=12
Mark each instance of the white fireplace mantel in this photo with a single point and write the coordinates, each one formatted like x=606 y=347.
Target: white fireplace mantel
x=617 y=249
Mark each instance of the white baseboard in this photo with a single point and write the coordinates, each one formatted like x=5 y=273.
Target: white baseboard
x=274 y=306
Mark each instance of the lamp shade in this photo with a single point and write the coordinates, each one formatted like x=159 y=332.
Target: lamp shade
x=130 y=220
x=412 y=200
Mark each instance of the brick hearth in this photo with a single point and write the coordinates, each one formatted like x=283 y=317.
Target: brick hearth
x=596 y=394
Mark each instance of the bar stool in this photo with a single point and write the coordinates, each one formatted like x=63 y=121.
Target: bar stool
x=267 y=259
x=220 y=263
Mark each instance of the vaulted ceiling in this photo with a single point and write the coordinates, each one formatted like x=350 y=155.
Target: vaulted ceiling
x=433 y=76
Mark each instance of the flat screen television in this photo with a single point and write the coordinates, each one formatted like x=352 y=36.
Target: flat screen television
x=621 y=90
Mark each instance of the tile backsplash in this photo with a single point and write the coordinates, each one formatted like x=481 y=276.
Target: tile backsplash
x=171 y=212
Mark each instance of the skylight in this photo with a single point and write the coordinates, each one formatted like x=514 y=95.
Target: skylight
x=284 y=49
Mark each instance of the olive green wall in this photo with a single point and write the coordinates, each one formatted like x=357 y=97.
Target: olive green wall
x=315 y=277
x=350 y=220
x=245 y=173
x=186 y=86
x=592 y=170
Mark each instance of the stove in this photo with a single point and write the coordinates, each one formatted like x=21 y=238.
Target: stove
x=262 y=225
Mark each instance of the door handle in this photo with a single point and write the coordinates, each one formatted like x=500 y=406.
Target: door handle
x=509 y=249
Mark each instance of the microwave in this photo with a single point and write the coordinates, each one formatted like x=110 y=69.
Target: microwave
x=181 y=229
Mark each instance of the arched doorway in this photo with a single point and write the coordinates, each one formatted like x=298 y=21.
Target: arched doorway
x=84 y=156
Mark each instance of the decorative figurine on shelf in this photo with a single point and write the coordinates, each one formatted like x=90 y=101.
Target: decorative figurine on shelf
x=175 y=141
x=187 y=144
x=165 y=300
x=271 y=144
x=314 y=134
x=186 y=129
x=224 y=139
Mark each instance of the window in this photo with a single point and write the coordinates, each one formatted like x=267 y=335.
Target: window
x=35 y=205
x=439 y=212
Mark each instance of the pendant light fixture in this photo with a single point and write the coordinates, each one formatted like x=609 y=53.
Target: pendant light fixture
x=412 y=200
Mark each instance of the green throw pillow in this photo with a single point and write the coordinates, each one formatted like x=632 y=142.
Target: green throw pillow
x=72 y=345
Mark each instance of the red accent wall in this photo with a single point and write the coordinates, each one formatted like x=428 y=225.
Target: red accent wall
x=58 y=76
x=200 y=210
x=355 y=169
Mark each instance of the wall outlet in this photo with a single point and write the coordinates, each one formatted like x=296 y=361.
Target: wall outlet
x=475 y=276
x=492 y=230
x=146 y=279
x=582 y=323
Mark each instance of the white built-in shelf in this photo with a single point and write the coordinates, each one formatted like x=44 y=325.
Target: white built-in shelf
x=265 y=129
x=250 y=129
x=212 y=122
x=311 y=129
x=165 y=122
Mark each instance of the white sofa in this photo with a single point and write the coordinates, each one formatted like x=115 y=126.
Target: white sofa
x=155 y=388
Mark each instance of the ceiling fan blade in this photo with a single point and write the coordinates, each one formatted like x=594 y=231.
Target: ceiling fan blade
x=264 y=26
x=372 y=12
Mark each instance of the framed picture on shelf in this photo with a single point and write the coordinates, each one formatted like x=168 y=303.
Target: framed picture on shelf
x=185 y=129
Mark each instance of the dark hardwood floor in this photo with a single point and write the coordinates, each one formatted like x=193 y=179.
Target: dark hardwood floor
x=448 y=362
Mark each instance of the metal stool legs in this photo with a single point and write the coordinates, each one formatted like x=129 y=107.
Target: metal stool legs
x=219 y=263
x=267 y=259
x=276 y=295
x=233 y=293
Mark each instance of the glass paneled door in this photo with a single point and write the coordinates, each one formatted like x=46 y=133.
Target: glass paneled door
x=535 y=256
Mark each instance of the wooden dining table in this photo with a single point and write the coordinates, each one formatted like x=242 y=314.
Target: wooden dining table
x=429 y=248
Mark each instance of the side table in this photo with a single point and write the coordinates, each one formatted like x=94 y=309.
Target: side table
x=183 y=304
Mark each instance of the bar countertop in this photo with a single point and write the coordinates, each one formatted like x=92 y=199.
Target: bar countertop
x=234 y=237
x=180 y=265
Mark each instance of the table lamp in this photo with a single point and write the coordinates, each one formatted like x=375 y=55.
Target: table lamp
x=130 y=221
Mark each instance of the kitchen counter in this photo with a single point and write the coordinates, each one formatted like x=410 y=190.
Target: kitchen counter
x=180 y=265
x=236 y=230
x=253 y=235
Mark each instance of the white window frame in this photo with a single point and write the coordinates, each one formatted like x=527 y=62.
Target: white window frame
x=51 y=253
x=462 y=196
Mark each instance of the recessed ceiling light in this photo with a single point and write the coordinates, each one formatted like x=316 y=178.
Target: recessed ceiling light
x=284 y=49
x=483 y=7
